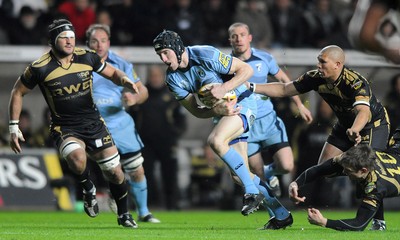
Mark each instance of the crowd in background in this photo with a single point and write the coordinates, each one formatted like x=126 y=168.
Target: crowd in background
x=274 y=24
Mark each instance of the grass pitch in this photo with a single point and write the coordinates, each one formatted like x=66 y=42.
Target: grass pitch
x=179 y=225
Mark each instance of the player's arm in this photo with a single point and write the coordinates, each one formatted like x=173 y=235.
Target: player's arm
x=275 y=89
x=363 y=114
x=224 y=109
x=241 y=72
x=364 y=215
x=131 y=99
x=305 y=113
x=327 y=169
x=118 y=77
x=14 y=109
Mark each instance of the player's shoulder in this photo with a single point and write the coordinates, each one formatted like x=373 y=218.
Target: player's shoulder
x=42 y=60
x=312 y=74
x=83 y=51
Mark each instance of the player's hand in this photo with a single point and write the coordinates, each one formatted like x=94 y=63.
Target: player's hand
x=129 y=98
x=15 y=136
x=305 y=114
x=354 y=136
x=129 y=84
x=293 y=193
x=227 y=108
x=315 y=217
x=217 y=91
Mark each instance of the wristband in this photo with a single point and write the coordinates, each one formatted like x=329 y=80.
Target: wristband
x=13 y=122
x=252 y=87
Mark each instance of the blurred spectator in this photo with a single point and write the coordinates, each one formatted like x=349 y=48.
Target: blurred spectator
x=39 y=6
x=217 y=19
x=41 y=137
x=254 y=15
x=388 y=34
x=160 y=122
x=27 y=30
x=123 y=15
x=322 y=23
x=185 y=18
x=81 y=14
x=206 y=177
x=309 y=143
x=287 y=24
x=392 y=103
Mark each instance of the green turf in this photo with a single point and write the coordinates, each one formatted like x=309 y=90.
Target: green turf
x=178 y=225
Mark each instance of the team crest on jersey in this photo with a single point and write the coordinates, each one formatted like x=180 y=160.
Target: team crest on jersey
x=258 y=67
x=224 y=59
x=356 y=84
x=201 y=73
x=369 y=188
x=83 y=75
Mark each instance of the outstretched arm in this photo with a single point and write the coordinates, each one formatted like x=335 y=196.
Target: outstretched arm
x=305 y=113
x=14 y=108
x=359 y=223
x=118 y=77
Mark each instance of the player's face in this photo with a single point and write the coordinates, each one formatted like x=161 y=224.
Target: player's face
x=240 y=39
x=100 y=42
x=354 y=175
x=66 y=42
x=326 y=67
x=168 y=57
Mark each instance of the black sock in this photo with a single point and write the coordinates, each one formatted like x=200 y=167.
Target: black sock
x=120 y=195
x=85 y=181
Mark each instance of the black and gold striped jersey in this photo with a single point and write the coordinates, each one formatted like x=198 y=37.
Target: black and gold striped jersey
x=384 y=182
x=66 y=89
x=349 y=90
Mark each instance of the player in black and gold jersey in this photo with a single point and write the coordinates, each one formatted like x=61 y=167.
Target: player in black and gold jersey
x=361 y=117
x=64 y=76
x=377 y=177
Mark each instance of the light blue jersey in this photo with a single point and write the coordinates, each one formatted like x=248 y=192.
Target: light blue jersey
x=208 y=65
x=268 y=128
x=108 y=98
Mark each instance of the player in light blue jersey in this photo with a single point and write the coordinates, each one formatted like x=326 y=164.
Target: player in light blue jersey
x=110 y=99
x=190 y=68
x=268 y=131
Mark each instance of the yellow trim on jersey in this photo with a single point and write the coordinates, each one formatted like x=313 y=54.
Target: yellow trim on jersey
x=74 y=68
x=54 y=171
x=392 y=181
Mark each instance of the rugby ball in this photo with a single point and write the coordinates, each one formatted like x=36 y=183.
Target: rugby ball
x=229 y=96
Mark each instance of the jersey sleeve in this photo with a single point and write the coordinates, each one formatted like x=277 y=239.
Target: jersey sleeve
x=329 y=168
x=176 y=90
x=30 y=77
x=306 y=82
x=96 y=61
x=364 y=215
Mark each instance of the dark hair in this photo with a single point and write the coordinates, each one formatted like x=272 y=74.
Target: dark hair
x=358 y=157
x=169 y=39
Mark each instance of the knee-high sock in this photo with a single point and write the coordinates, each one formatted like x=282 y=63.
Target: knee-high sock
x=274 y=207
x=85 y=182
x=236 y=164
x=120 y=195
x=269 y=171
x=139 y=191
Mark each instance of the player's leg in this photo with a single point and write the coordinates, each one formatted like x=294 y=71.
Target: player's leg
x=227 y=129
x=73 y=151
x=133 y=165
x=109 y=162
